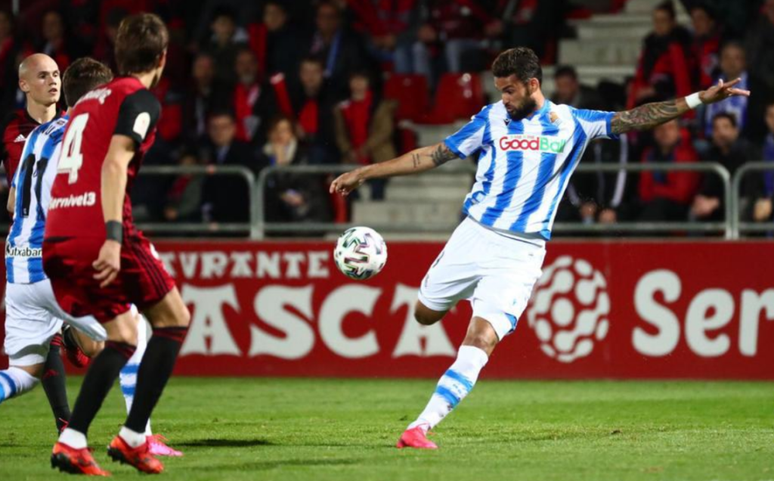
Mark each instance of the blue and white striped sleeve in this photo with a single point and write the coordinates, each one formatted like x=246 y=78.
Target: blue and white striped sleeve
x=595 y=123
x=469 y=138
x=26 y=151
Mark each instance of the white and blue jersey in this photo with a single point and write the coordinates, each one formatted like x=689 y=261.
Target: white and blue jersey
x=33 y=181
x=524 y=166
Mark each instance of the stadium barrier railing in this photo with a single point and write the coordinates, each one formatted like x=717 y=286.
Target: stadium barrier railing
x=204 y=228
x=738 y=227
x=263 y=227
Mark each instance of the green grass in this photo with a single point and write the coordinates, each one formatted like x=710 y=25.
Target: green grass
x=279 y=429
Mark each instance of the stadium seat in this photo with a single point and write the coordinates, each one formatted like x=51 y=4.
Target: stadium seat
x=410 y=91
x=459 y=96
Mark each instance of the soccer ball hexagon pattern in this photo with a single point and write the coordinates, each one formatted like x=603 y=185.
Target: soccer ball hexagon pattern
x=360 y=253
x=569 y=309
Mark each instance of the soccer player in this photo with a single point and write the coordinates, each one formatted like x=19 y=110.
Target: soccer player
x=40 y=82
x=98 y=263
x=528 y=148
x=33 y=316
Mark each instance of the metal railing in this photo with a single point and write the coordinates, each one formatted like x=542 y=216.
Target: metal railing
x=263 y=227
x=206 y=227
x=737 y=226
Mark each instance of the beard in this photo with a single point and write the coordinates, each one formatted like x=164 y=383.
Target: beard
x=527 y=107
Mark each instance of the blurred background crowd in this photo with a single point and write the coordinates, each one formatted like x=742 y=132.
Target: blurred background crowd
x=304 y=82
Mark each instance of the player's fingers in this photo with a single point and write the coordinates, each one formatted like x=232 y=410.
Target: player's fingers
x=746 y=93
x=731 y=83
x=109 y=280
x=102 y=273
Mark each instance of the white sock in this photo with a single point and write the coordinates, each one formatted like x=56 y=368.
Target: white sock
x=453 y=386
x=132 y=438
x=74 y=439
x=15 y=382
x=128 y=376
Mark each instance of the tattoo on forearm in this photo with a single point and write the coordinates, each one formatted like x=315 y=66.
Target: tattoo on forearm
x=442 y=154
x=647 y=116
x=417 y=161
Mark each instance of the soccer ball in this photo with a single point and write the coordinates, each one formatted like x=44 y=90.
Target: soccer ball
x=360 y=253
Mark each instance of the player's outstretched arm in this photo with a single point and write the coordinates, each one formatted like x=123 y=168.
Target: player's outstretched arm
x=650 y=115
x=120 y=153
x=418 y=160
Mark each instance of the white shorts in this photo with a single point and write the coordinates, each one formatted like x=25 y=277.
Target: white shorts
x=33 y=317
x=496 y=273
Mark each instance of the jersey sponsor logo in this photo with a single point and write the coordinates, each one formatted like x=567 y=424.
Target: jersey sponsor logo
x=141 y=124
x=97 y=94
x=23 y=251
x=532 y=143
x=87 y=199
x=20 y=138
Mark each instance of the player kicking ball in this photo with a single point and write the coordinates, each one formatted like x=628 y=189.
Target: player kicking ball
x=528 y=148
x=98 y=263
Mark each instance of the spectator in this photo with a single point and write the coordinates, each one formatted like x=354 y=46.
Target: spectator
x=9 y=48
x=365 y=127
x=105 y=46
x=760 y=47
x=569 y=91
x=227 y=39
x=732 y=66
x=292 y=197
x=313 y=107
x=225 y=196
x=527 y=23
x=392 y=29
x=55 y=43
x=667 y=195
x=284 y=42
x=451 y=31
x=664 y=67
x=706 y=44
x=184 y=198
x=731 y=151
x=342 y=51
x=253 y=100
x=599 y=197
x=205 y=95
x=762 y=211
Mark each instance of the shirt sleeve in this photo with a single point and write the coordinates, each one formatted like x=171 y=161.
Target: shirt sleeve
x=469 y=138
x=138 y=116
x=595 y=123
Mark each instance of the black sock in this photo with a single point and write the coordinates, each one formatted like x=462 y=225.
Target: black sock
x=155 y=370
x=53 y=381
x=102 y=373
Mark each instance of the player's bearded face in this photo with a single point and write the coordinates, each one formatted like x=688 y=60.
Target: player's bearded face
x=519 y=109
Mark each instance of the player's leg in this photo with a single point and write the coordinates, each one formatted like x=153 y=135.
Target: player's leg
x=169 y=318
x=102 y=373
x=455 y=384
x=54 y=381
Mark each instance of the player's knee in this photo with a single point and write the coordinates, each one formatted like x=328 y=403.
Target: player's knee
x=426 y=316
x=123 y=330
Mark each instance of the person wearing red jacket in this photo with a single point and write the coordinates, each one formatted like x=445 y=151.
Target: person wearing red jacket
x=665 y=66
x=667 y=195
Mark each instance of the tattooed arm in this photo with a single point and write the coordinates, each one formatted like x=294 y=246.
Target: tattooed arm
x=650 y=115
x=418 y=160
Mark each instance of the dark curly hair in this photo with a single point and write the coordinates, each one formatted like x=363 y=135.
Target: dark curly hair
x=521 y=62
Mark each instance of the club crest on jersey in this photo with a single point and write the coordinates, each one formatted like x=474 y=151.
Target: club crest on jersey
x=532 y=143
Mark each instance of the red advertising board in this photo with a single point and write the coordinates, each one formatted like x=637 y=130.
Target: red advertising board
x=602 y=310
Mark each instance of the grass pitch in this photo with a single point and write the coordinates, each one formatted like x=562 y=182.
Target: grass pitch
x=300 y=429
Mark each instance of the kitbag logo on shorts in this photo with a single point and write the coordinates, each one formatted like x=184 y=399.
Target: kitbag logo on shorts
x=22 y=251
x=532 y=143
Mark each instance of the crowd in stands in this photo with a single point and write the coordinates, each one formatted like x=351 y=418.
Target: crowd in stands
x=324 y=82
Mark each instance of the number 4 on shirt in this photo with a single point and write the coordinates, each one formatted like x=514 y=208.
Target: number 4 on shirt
x=71 y=160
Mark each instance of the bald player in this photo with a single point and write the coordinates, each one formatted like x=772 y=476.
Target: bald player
x=40 y=81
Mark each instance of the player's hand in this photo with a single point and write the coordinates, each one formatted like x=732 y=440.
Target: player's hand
x=108 y=263
x=346 y=183
x=722 y=91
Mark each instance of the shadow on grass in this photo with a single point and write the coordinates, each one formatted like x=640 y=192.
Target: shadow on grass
x=284 y=463
x=225 y=443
